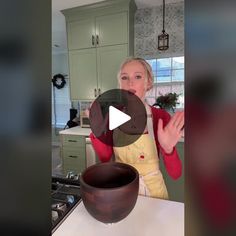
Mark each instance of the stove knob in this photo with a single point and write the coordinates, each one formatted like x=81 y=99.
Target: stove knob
x=55 y=215
x=70 y=199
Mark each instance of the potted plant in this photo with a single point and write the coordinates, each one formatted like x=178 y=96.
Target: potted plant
x=167 y=101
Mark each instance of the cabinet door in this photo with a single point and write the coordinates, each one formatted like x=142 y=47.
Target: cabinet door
x=108 y=60
x=81 y=34
x=74 y=159
x=83 y=74
x=73 y=141
x=175 y=188
x=112 y=29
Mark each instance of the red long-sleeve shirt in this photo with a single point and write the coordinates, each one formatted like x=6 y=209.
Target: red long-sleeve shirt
x=171 y=161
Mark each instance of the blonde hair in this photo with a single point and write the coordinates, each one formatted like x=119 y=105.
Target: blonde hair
x=146 y=66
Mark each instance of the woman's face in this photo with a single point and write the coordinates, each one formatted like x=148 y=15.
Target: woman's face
x=133 y=78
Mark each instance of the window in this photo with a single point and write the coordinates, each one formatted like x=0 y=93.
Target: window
x=60 y=105
x=168 y=77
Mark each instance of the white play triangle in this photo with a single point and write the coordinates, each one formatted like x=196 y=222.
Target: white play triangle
x=117 y=118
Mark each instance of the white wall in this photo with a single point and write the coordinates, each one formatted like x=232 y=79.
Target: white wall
x=60 y=96
x=60 y=64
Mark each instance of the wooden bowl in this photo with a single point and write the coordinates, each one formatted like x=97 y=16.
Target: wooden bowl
x=109 y=190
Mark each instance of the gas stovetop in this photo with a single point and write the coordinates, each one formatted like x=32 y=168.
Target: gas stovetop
x=65 y=195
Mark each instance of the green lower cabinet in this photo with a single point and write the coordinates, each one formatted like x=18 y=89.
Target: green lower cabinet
x=73 y=141
x=73 y=153
x=73 y=160
x=175 y=187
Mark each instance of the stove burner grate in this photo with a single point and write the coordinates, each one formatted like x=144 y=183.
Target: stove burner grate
x=65 y=194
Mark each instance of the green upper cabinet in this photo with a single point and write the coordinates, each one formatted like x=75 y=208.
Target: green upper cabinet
x=81 y=34
x=83 y=67
x=111 y=29
x=98 y=31
x=94 y=71
x=108 y=62
x=100 y=36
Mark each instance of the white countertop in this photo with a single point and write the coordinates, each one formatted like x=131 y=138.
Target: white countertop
x=150 y=216
x=85 y=132
x=76 y=131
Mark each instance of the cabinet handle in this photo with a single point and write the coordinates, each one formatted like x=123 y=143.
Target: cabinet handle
x=72 y=141
x=73 y=156
x=97 y=39
x=99 y=91
x=93 y=39
x=95 y=92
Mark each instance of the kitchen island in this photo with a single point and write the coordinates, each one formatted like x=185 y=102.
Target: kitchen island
x=150 y=216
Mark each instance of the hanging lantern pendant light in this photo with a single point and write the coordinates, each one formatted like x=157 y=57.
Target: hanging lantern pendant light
x=163 y=39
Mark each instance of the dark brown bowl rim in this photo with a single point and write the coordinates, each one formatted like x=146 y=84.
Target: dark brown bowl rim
x=108 y=163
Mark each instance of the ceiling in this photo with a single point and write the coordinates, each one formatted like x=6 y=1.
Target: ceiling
x=59 y=43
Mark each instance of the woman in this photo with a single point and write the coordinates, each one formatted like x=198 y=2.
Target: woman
x=159 y=137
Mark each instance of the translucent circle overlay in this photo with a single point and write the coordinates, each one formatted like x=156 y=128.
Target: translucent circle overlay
x=127 y=103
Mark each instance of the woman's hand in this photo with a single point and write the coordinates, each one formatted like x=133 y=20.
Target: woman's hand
x=170 y=135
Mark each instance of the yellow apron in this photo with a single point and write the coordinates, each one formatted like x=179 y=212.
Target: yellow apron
x=142 y=155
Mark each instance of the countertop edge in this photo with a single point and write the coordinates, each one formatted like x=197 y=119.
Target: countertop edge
x=86 y=132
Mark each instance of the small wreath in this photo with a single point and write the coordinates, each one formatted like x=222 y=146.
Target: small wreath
x=55 y=82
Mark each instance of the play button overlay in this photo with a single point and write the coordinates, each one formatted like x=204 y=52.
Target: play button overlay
x=118 y=117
